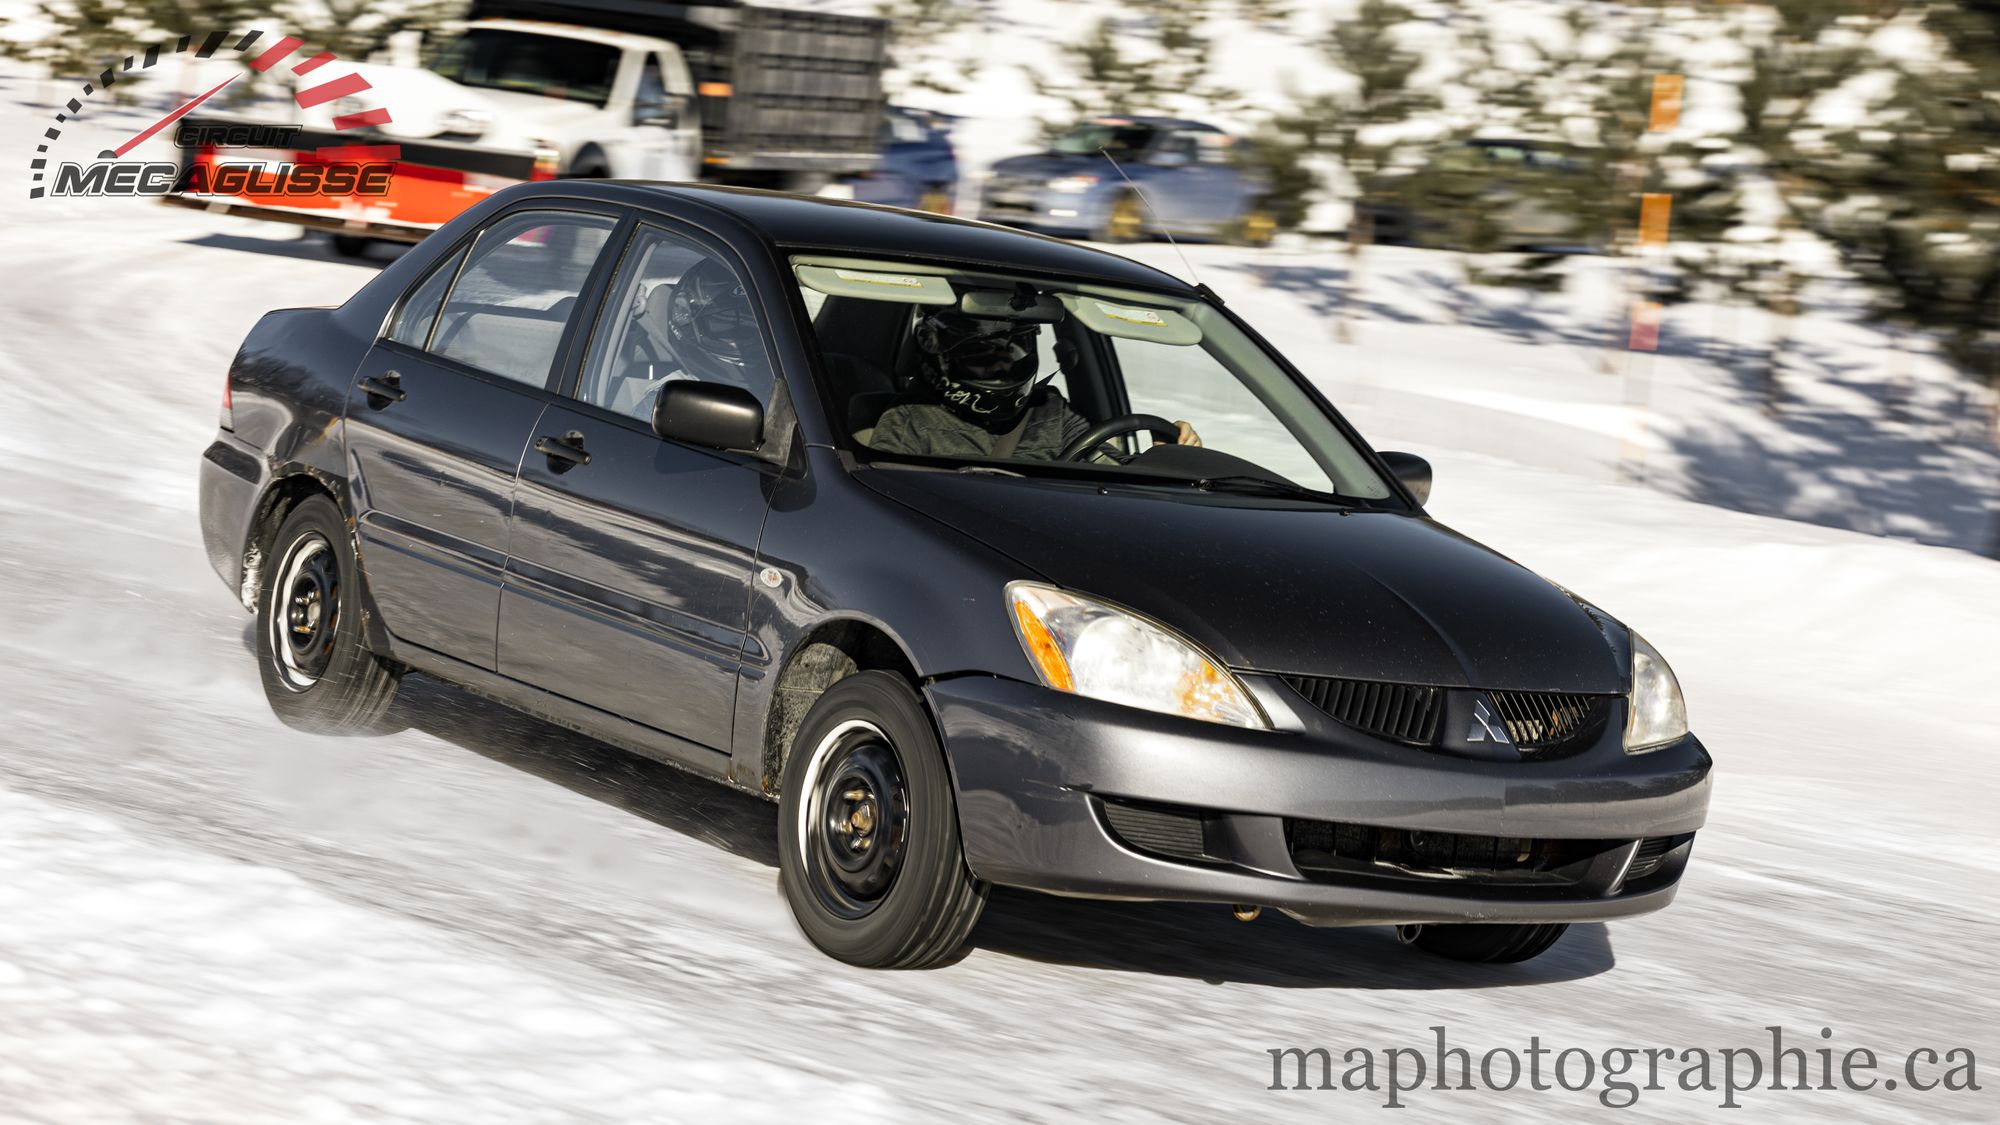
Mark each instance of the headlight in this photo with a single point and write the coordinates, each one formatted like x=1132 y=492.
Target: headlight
x=468 y=122
x=1092 y=649
x=1658 y=713
x=1073 y=183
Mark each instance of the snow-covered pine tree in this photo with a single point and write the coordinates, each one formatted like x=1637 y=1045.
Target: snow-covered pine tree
x=1358 y=126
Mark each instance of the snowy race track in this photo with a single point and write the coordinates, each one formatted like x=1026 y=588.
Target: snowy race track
x=206 y=916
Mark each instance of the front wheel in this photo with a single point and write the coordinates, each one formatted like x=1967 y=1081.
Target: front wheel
x=868 y=849
x=1256 y=228
x=352 y=245
x=1493 y=945
x=1124 y=220
x=317 y=673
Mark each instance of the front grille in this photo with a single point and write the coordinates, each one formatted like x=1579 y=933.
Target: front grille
x=1324 y=849
x=1542 y=720
x=1652 y=852
x=1161 y=829
x=1405 y=712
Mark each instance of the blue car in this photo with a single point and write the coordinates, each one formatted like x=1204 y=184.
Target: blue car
x=919 y=168
x=1186 y=179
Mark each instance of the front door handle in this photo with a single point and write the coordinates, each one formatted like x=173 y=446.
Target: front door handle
x=389 y=387
x=565 y=452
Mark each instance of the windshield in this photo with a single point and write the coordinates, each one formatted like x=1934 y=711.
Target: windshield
x=1123 y=142
x=550 y=65
x=972 y=369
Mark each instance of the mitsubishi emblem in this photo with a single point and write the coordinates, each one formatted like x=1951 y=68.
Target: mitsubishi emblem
x=1485 y=726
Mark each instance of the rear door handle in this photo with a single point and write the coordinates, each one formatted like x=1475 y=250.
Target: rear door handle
x=389 y=386
x=565 y=452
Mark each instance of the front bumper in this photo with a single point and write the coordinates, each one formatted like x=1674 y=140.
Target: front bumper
x=1038 y=208
x=1036 y=769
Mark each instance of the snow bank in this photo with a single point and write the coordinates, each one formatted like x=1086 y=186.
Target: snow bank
x=142 y=982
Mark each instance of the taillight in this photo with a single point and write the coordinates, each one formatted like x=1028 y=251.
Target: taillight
x=547 y=162
x=228 y=406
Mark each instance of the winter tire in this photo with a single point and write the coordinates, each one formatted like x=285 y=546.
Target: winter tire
x=1256 y=228
x=868 y=849
x=318 y=674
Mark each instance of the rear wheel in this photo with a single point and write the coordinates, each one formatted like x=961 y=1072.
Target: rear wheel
x=1485 y=944
x=351 y=245
x=317 y=673
x=868 y=850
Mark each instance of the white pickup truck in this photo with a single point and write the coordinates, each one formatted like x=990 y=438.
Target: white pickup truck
x=632 y=89
x=605 y=103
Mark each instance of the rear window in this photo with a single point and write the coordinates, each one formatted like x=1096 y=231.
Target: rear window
x=517 y=291
x=549 y=65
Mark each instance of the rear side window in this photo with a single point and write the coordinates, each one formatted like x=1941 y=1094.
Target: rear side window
x=517 y=292
x=413 y=321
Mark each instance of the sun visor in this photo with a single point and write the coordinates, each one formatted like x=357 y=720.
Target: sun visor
x=1133 y=322
x=877 y=285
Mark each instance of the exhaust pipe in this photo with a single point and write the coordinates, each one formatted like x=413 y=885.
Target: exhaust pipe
x=1246 y=913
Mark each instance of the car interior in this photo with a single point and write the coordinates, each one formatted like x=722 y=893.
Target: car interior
x=499 y=337
x=1132 y=366
x=641 y=357
x=872 y=361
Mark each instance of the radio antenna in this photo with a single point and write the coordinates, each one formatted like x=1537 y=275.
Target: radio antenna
x=1182 y=254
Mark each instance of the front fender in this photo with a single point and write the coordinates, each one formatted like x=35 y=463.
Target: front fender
x=835 y=550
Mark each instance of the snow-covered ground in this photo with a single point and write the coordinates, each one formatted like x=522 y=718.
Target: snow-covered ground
x=207 y=916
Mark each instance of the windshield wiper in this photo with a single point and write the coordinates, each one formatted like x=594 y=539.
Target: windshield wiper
x=1243 y=485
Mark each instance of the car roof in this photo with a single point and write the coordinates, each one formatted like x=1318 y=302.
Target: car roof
x=1154 y=122
x=799 y=222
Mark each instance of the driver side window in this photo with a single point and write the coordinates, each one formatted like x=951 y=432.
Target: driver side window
x=675 y=311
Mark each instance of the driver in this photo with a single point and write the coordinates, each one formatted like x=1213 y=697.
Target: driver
x=987 y=403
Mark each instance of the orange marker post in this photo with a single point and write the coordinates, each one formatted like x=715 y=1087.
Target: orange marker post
x=1656 y=211
x=1666 y=102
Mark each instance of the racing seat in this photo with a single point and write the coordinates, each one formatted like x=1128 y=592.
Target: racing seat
x=859 y=342
x=866 y=389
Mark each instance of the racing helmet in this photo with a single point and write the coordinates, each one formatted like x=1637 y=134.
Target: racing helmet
x=982 y=369
x=710 y=324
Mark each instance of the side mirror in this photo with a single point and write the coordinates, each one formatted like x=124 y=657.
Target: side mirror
x=665 y=113
x=1412 y=470
x=716 y=415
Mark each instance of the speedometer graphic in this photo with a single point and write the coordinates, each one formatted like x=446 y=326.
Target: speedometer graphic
x=319 y=80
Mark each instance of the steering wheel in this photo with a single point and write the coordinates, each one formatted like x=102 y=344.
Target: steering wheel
x=1113 y=427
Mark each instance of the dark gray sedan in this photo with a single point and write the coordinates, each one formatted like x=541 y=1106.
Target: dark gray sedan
x=993 y=559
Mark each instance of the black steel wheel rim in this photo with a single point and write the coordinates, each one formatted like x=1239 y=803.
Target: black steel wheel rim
x=855 y=820
x=305 y=615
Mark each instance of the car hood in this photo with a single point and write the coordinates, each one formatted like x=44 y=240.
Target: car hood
x=1278 y=587
x=1045 y=166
